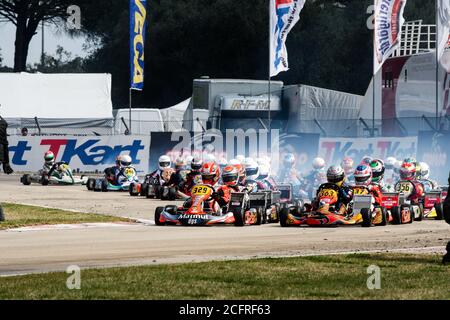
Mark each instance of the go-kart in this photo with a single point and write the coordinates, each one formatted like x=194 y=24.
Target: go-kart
x=288 y=204
x=65 y=177
x=152 y=189
x=197 y=211
x=433 y=205
x=124 y=180
x=364 y=209
x=395 y=204
x=413 y=195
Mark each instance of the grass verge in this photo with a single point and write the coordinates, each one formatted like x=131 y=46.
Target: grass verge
x=24 y=216
x=328 y=277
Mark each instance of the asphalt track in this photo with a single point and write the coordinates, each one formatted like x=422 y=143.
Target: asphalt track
x=54 y=249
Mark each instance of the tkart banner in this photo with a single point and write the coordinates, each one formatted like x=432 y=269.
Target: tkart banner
x=84 y=154
x=333 y=150
x=443 y=21
x=138 y=15
x=284 y=14
x=388 y=27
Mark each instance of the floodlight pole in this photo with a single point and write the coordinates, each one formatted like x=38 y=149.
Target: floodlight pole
x=129 y=111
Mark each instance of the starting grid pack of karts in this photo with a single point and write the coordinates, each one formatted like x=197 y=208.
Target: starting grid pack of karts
x=281 y=205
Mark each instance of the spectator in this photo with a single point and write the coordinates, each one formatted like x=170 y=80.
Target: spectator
x=4 y=152
x=24 y=132
x=447 y=219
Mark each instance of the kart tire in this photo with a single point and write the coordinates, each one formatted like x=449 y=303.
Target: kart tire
x=2 y=215
x=396 y=215
x=420 y=218
x=411 y=213
x=259 y=217
x=104 y=186
x=439 y=211
x=367 y=218
x=133 y=188
x=26 y=180
x=147 y=192
x=239 y=218
x=172 y=194
x=90 y=184
x=385 y=217
x=144 y=188
x=45 y=181
x=158 y=212
x=284 y=212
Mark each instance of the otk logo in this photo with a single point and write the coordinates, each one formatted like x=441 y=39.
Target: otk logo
x=90 y=152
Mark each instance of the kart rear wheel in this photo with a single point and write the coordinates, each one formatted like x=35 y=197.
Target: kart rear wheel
x=259 y=217
x=144 y=188
x=239 y=220
x=90 y=185
x=420 y=218
x=104 y=186
x=26 y=180
x=284 y=216
x=396 y=215
x=385 y=218
x=45 y=181
x=134 y=190
x=158 y=212
x=367 y=218
x=2 y=215
x=411 y=213
x=439 y=211
x=172 y=194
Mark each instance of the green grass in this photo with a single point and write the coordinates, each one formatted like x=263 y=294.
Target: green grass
x=17 y=216
x=327 y=277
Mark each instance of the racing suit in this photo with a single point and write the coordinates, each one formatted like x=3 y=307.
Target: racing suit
x=223 y=195
x=115 y=175
x=375 y=190
x=4 y=152
x=190 y=181
x=52 y=170
x=345 y=196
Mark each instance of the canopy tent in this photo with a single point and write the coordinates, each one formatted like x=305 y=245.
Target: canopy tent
x=56 y=100
x=173 y=117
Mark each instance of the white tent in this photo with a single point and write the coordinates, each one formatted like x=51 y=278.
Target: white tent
x=56 y=100
x=173 y=116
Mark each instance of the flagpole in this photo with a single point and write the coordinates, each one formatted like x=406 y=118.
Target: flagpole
x=437 y=67
x=270 y=64
x=130 y=106
x=374 y=72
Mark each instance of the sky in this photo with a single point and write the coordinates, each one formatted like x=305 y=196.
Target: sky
x=53 y=38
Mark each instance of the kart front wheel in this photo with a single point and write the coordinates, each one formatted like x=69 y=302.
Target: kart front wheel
x=396 y=215
x=104 y=186
x=367 y=218
x=239 y=218
x=283 y=217
x=384 y=217
x=439 y=211
x=134 y=190
x=144 y=188
x=26 y=180
x=90 y=184
x=45 y=180
x=158 y=212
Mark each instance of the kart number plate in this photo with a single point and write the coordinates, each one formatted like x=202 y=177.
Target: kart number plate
x=328 y=193
x=200 y=191
x=360 y=191
x=404 y=187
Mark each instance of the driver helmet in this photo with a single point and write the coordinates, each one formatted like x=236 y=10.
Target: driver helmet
x=424 y=171
x=264 y=172
x=230 y=176
x=366 y=160
x=390 y=163
x=210 y=173
x=164 y=163
x=49 y=158
x=363 y=175
x=179 y=164
x=251 y=169
x=196 y=164
x=241 y=171
x=336 y=175
x=347 y=165
x=397 y=166
x=289 y=159
x=418 y=170
x=124 y=161
x=223 y=163
x=240 y=158
x=209 y=158
x=408 y=171
x=410 y=160
x=319 y=163
x=378 y=170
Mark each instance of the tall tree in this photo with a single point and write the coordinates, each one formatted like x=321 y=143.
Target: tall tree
x=26 y=15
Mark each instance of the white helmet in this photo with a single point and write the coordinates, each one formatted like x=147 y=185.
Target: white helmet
x=124 y=161
x=424 y=170
x=223 y=162
x=289 y=159
x=390 y=163
x=251 y=169
x=164 y=163
x=240 y=158
x=196 y=163
x=234 y=162
x=318 y=163
x=264 y=172
x=209 y=158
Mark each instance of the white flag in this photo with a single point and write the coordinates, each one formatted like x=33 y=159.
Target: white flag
x=284 y=14
x=443 y=25
x=388 y=26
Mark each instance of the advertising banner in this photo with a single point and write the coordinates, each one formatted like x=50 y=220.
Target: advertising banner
x=284 y=14
x=388 y=27
x=434 y=149
x=333 y=150
x=86 y=154
x=138 y=15
x=443 y=19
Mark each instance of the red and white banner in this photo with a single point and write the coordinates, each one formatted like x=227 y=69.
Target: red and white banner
x=387 y=32
x=284 y=14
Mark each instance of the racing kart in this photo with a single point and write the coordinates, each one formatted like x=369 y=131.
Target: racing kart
x=196 y=211
x=409 y=191
x=360 y=212
x=288 y=204
x=433 y=205
x=395 y=205
x=66 y=177
x=151 y=189
x=125 y=179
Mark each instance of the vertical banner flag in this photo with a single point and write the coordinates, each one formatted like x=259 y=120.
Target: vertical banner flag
x=388 y=28
x=138 y=14
x=284 y=14
x=443 y=25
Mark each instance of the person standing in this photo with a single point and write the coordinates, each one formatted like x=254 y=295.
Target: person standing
x=4 y=152
x=446 y=259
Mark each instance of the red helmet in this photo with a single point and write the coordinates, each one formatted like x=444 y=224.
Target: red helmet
x=210 y=173
x=241 y=172
x=363 y=175
x=408 y=171
x=230 y=176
